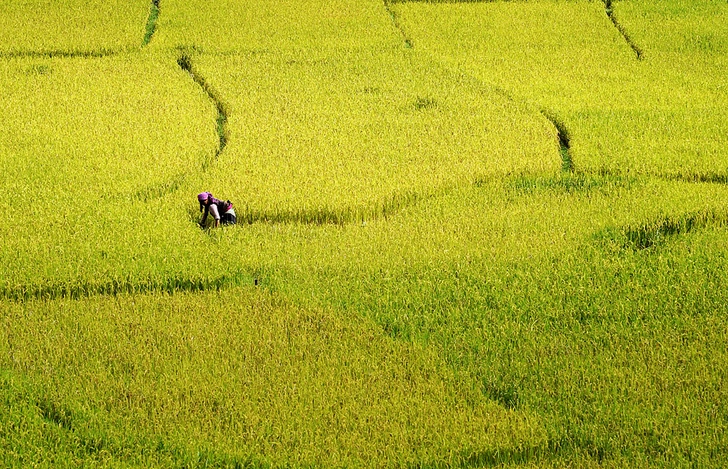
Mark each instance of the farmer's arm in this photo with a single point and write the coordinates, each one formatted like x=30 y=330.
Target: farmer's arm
x=204 y=217
x=215 y=214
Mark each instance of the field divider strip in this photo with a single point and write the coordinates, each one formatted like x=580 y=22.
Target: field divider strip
x=609 y=9
x=695 y=178
x=395 y=21
x=84 y=289
x=185 y=63
x=653 y=232
x=567 y=163
x=151 y=22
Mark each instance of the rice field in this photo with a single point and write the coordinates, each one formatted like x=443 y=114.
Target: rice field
x=660 y=115
x=314 y=28
x=355 y=137
x=71 y=27
x=470 y=234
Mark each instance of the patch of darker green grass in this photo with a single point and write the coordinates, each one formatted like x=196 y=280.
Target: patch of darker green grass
x=151 y=22
x=507 y=396
x=492 y=458
x=119 y=286
x=570 y=183
x=425 y=103
x=56 y=414
x=706 y=177
x=655 y=232
x=39 y=69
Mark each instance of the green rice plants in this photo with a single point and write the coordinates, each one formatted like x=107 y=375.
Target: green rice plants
x=501 y=246
x=314 y=142
x=71 y=27
x=151 y=22
x=244 y=375
x=660 y=116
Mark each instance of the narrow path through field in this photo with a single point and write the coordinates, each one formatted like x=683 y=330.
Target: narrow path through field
x=151 y=22
x=185 y=63
x=567 y=163
x=397 y=25
x=609 y=9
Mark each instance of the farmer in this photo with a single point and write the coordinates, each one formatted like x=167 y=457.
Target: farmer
x=221 y=210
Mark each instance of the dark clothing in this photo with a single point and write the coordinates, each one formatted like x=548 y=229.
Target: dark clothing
x=228 y=218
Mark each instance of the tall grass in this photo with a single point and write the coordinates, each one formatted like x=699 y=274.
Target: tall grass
x=661 y=115
x=414 y=281
x=243 y=376
x=72 y=27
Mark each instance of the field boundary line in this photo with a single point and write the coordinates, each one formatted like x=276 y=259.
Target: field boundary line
x=695 y=178
x=398 y=26
x=567 y=163
x=609 y=10
x=151 y=22
x=185 y=63
x=77 y=290
x=654 y=231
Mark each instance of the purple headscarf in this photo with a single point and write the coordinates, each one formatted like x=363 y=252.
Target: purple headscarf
x=202 y=197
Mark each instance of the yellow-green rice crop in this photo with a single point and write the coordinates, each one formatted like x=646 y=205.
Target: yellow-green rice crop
x=352 y=137
x=678 y=33
x=497 y=293
x=246 y=377
x=486 y=308
x=71 y=27
x=272 y=25
x=568 y=59
x=87 y=148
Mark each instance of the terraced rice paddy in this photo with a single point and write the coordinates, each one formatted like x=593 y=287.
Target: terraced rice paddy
x=471 y=234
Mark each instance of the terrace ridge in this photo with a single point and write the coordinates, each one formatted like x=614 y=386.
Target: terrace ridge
x=395 y=21
x=151 y=22
x=609 y=9
x=185 y=63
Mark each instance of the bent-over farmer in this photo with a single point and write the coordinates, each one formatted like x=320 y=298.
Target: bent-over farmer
x=221 y=210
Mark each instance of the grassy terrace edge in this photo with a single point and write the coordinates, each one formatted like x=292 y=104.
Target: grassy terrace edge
x=121 y=286
x=185 y=63
x=151 y=22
